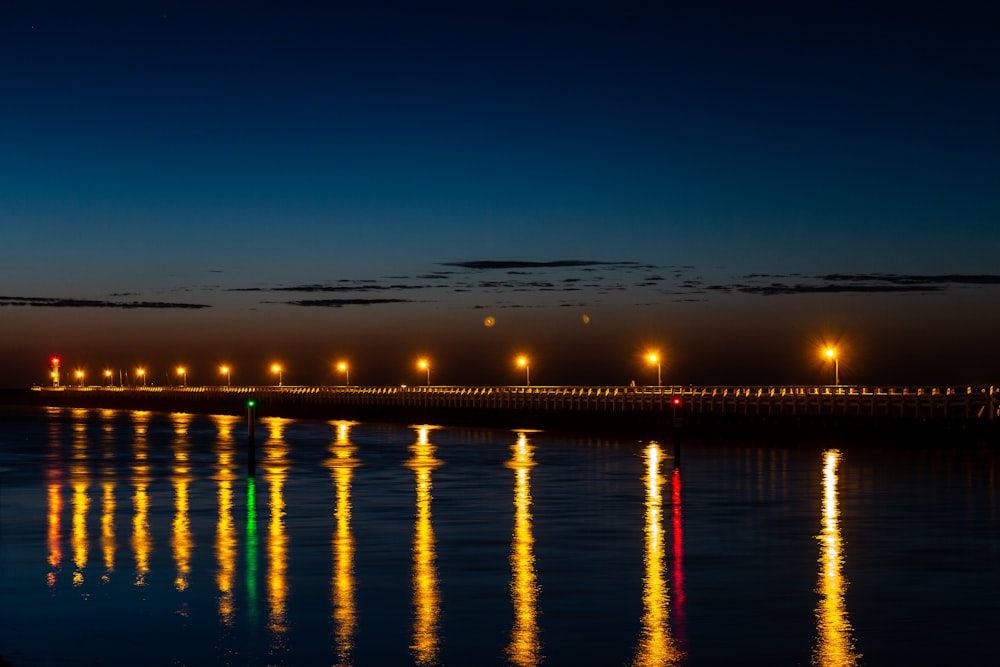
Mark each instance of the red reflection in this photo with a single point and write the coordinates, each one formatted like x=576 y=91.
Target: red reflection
x=677 y=523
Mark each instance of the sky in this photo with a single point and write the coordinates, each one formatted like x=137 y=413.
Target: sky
x=734 y=185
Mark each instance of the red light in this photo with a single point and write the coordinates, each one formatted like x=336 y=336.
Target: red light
x=677 y=400
x=55 y=361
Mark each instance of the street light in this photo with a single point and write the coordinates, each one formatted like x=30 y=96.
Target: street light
x=184 y=375
x=277 y=370
x=107 y=375
x=79 y=377
x=142 y=374
x=831 y=353
x=654 y=358
x=228 y=372
x=346 y=370
x=523 y=361
x=423 y=364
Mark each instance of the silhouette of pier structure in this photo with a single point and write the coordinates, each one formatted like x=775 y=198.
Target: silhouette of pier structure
x=797 y=411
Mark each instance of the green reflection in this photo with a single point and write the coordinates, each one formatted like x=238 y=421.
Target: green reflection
x=426 y=596
x=252 y=556
x=341 y=464
x=525 y=648
x=834 y=645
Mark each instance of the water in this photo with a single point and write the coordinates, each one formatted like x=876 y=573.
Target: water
x=136 y=538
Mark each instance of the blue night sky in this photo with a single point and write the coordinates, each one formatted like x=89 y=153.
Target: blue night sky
x=732 y=184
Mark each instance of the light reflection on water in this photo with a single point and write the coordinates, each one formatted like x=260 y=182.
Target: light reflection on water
x=225 y=530
x=342 y=464
x=275 y=467
x=834 y=646
x=426 y=598
x=656 y=646
x=142 y=542
x=357 y=537
x=181 y=539
x=525 y=648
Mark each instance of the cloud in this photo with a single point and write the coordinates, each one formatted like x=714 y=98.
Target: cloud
x=50 y=302
x=340 y=303
x=860 y=283
x=342 y=287
x=514 y=264
x=903 y=279
x=770 y=290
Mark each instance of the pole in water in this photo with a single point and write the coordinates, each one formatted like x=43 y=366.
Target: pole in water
x=251 y=444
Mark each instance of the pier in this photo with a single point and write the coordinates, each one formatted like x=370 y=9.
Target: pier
x=794 y=411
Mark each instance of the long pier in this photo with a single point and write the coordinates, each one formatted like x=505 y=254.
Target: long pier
x=796 y=411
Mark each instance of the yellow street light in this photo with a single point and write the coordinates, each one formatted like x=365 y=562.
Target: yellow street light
x=142 y=374
x=228 y=372
x=276 y=369
x=654 y=358
x=524 y=363
x=79 y=377
x=346 y=370
x=107 y=375
x=831 y=353
x=184 y=375
x=423 y=364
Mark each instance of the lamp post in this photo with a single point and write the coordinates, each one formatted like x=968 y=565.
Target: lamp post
x=227 y=371
x=142 y=374
x=107 y=376
x=276 y=369
x=184 y=376
x=654 y=358
x=423 y=364
x=54 y=361
x=523 y=362
x=831 y=354
x=79 y=377
x=346 y=370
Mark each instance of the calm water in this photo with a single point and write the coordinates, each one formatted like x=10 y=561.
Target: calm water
x=136 y=538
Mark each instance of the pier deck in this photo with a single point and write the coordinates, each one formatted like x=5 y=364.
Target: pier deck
x=795 y=410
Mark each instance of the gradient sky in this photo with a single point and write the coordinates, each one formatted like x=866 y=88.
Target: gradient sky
x=732 y=184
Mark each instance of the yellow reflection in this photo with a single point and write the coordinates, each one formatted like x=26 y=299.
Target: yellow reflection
x=108 y=505
x=656 y=646
x=181 y=541
x=834 y=645
x=275 y=466
x=55 y=500
x=341 y=464
x=79 y=480
x=225 y=530
x=55 y=505
x=426 y=598
x=525 y=647
x=142 y=541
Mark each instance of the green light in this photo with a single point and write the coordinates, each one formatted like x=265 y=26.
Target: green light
x=251 y=403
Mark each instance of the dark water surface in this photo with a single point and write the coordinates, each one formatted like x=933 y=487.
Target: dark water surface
x=136 y=538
